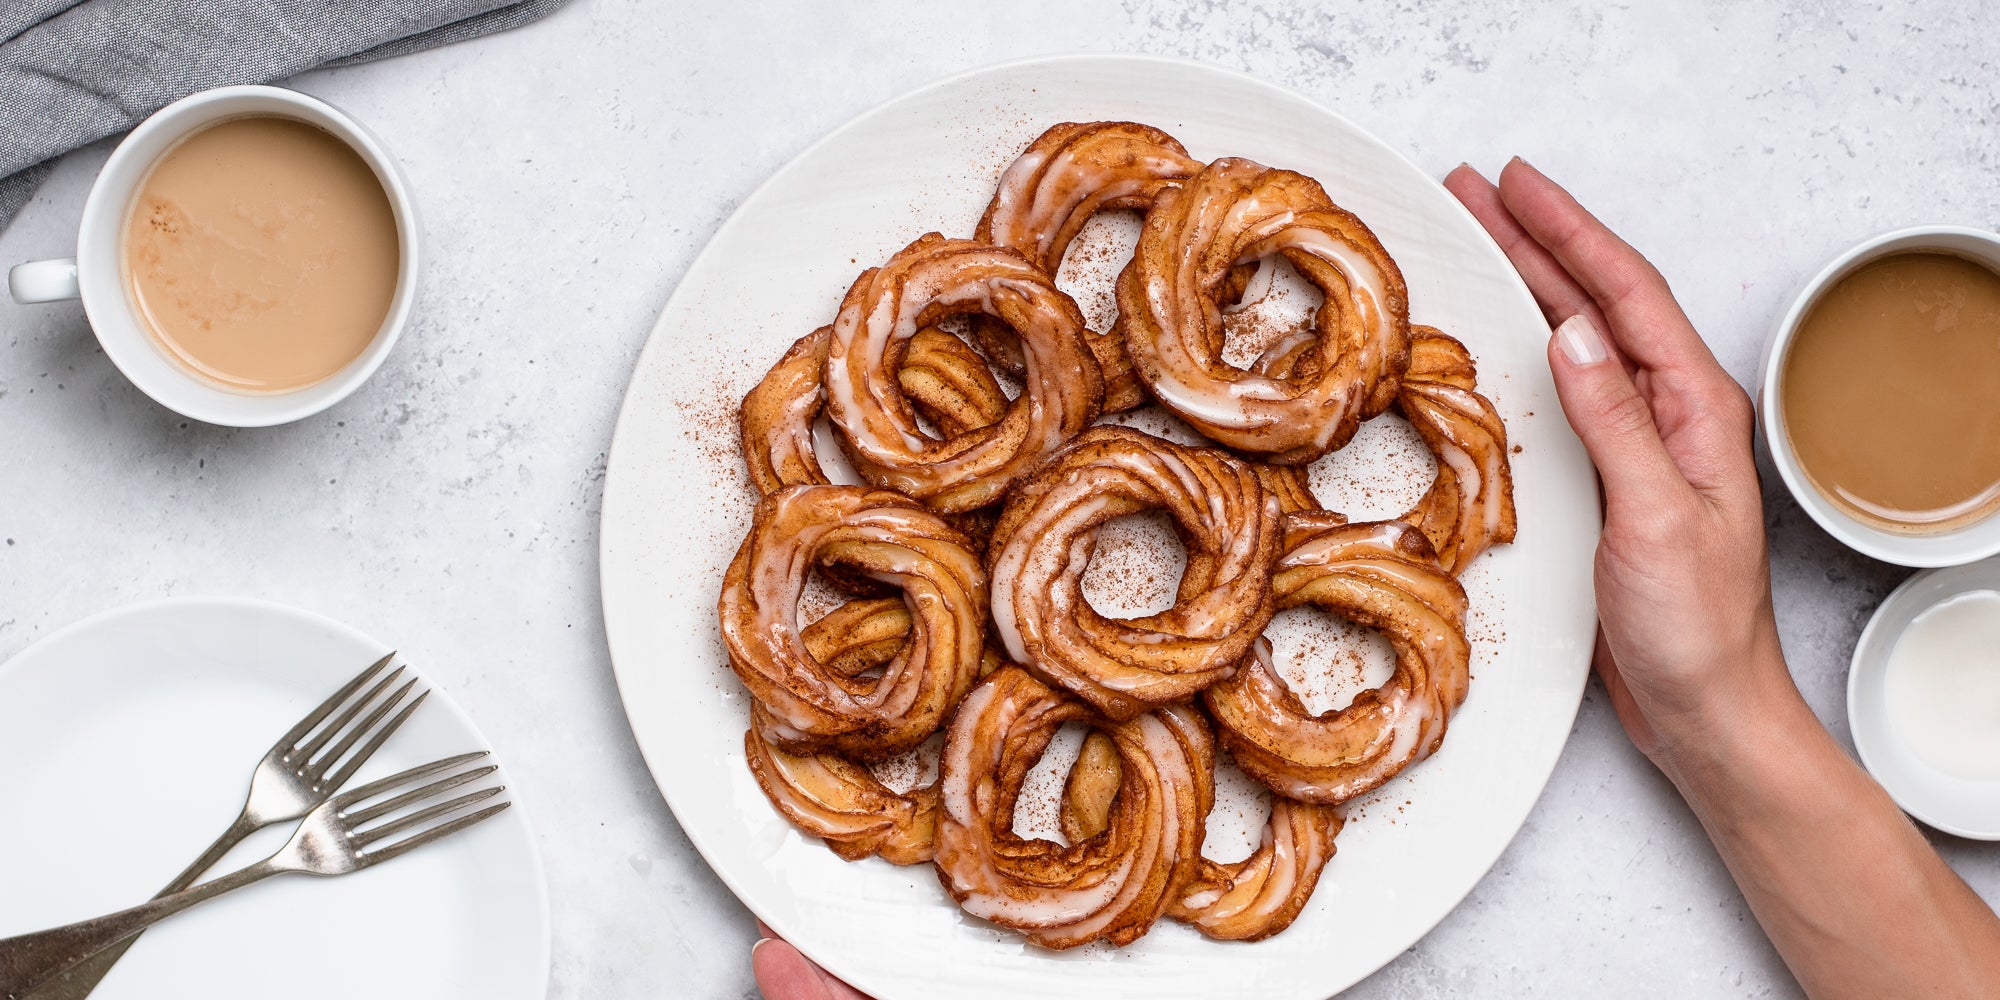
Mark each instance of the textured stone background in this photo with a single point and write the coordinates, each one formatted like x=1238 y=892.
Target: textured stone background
x=568 y=172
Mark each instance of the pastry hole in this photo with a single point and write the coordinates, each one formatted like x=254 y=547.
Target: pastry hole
x=1236 y=824
x=1136 y=570
x=914 y=769
x=1326 y=660
x=1277 y=302
x=1090 y=267
x=818 y=599
x=926 y=427
x=1383 y=472
x=832 y=461
x=1155 y=420
x=1038 y=810
x=960 y=326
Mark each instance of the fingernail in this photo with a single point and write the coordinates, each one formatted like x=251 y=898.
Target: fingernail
x=761 y=942
x=1580 y=342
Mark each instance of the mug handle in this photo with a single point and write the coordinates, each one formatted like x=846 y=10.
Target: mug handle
x=44 y=280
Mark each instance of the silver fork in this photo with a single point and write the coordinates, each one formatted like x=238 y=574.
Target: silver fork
x=334 y=838
x=295 y=776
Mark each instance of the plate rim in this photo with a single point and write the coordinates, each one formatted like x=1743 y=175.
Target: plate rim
x=543 y=917
x=1513 y=281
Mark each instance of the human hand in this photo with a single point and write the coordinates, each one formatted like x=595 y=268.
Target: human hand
x=784 y=973
x=1687 y=638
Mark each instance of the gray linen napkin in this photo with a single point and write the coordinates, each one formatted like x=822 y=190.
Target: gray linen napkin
x=75 y=71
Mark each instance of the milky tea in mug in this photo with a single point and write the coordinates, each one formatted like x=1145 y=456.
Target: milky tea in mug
x=261 y=254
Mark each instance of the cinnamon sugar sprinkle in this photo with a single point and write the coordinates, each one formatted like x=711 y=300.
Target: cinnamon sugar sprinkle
x=1137 y=567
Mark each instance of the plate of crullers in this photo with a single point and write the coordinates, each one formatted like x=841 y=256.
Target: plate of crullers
x=1099 y=526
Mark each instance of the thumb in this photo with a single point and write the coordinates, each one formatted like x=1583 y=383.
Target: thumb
x=1609 y=415
x=785 y=974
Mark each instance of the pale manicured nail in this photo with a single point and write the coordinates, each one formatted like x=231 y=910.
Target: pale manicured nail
x=761 y=942
x=1580 y=342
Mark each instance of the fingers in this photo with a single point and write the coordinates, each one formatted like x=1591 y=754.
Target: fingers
x=1576 y=266
x=1609 y=414
x=1644 y=319
x=1555 y=291
x=783 y=973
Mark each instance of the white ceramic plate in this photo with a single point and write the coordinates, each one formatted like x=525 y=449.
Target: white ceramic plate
x=1955 y=804
x=677 y=505
x=126 y=745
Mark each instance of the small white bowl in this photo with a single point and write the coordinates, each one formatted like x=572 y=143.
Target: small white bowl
x=1955 y=805
x=1958 y=546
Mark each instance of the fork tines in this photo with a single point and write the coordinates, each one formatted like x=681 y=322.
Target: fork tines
x=424 y=810
x=313 y=760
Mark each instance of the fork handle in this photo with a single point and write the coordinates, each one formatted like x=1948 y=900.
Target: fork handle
x=29 y=960
x=77 y=981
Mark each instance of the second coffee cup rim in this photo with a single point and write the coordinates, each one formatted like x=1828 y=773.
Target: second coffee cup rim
x=1967 y=543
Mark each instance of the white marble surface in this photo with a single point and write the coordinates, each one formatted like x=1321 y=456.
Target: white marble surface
x=566 y=174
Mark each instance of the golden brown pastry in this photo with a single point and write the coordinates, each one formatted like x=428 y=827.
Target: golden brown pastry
x=827 y=795
x=1289 y=484
x=841 y=802
x=1233 y=212
x=1252 y=899
x=928 y=281
x=1113 y=885
x=1382 y=575
x=960 y=470
x=1230 y=525
x=1471 y=505
x=945 y=380
x=1090 y=788
x=1066 y=176
x=776 y=418
x=809 y=706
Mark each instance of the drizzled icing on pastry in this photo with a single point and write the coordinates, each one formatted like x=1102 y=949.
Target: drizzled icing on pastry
x=1235 y=212
x=1382 y=575
x=929 y=280
x=1232 y=530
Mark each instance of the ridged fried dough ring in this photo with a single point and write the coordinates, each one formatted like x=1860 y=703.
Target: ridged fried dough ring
x=1233 y=212
x=1246 y=900
x=1289 y=483
x=827 y=795
x=1471 y=505
x=812 y=708
x=842 y=803
x=1252 y=899
x=1066 y=176
x=1091 y=788
x=945 y=380
x=1230 y=526
x=1113 y=885
x=1381 y=575
x=928 y=281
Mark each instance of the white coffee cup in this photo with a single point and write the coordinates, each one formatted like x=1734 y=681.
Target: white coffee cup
x=95 y=273
x=1963 y=544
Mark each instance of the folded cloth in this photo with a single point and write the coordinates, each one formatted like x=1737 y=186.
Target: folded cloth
x=75 y=71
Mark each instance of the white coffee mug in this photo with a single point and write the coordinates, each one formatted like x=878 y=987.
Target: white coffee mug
x=1959 y=545
x=94 y=274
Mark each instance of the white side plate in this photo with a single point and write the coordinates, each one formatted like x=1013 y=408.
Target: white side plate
x=126 y=745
